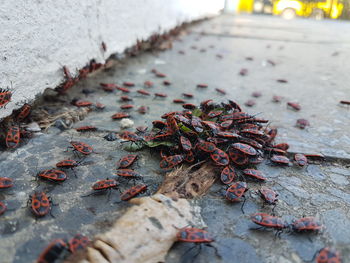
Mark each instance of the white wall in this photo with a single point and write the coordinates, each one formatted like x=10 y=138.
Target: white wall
x=38 y=37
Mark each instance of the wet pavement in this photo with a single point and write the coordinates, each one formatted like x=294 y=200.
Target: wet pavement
x=307 y=54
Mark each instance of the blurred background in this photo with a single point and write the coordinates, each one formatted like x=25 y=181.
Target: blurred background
x=291 y=9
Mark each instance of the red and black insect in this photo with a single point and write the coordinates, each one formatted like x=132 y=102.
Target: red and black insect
x=221 y=91
x=171 y=124
x=158 y=124
x=280 y=160
x=103 y=186
x=345 y=102
x=282 y=80
x=133 y=192
x=127 y=160
x=129 y=174
x=228 y=174
x=82 y=103
x=214 y=128
x=272 y=133
x=226 y=124
x=187 y=95
x=256 y=94
x=3 y=208
x=206 y=105
x=302 y=123
x=104 y=46
x=78 y=242
x=275 y=151
x=53 y=252
x=250 y=103
x=277 y=99
x=179 y=101
x=219 y=157
x=235 y=192
x=141 y=129
x=160 y=75
x=243 y=72
x=189 y=157
x=183 y=119
x=294 y=106
x=197 y=236
x=206 y=147
x=194 y=235
x=202 y=85
x=24 y=112
x=53 y=175
x=318 y=157
x=143 y=92
x=282 y=146
x=128 y=84
x=6 y=182
x=228 y=135
x=148 y=84
x=238 y=157
x=306 y=224
x=5 y=97
x=327 y=255
x=197 y=124
x=256 y=160
x=13 y=137
x=269 y=196
x=250 y=142
x=143 y=109
x=300 y=159
x=255 y=174
x=189 y=106
x=214 y=114
x=234 y=105
x=108 y=87
x=40 y=204
x=269 y=221
x=185 y=143
x=166 y=82
x=126 y=106
x=244 y=148
x=130 y=136
x=125 y=90
x=170 y=162
x=68 y=164
x=160 y=95
x=86 y=128
x=120 y=115
x=100 y=106
x=125 y=98
x=82 y=147
x=83 y=72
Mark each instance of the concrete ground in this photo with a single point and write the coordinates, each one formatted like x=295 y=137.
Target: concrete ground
x=311 y=55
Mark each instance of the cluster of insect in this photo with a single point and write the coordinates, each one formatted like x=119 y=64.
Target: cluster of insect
x=235 y=142
x=124 y=172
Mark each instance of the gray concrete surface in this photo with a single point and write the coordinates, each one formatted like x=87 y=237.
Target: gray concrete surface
x=304 y=53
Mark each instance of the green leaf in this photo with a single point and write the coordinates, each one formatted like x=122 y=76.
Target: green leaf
x=184 y=128
x=156 y=144
x=133 y=147
x=197 y=112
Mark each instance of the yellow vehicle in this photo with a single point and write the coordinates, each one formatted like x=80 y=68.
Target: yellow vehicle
x=317 y=9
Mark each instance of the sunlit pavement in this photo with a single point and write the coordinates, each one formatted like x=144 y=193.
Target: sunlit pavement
x=310 y=56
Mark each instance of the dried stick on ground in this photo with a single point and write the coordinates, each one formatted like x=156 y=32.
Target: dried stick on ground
x=148 y=229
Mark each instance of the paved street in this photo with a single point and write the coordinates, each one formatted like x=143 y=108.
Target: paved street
x=310 y=56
